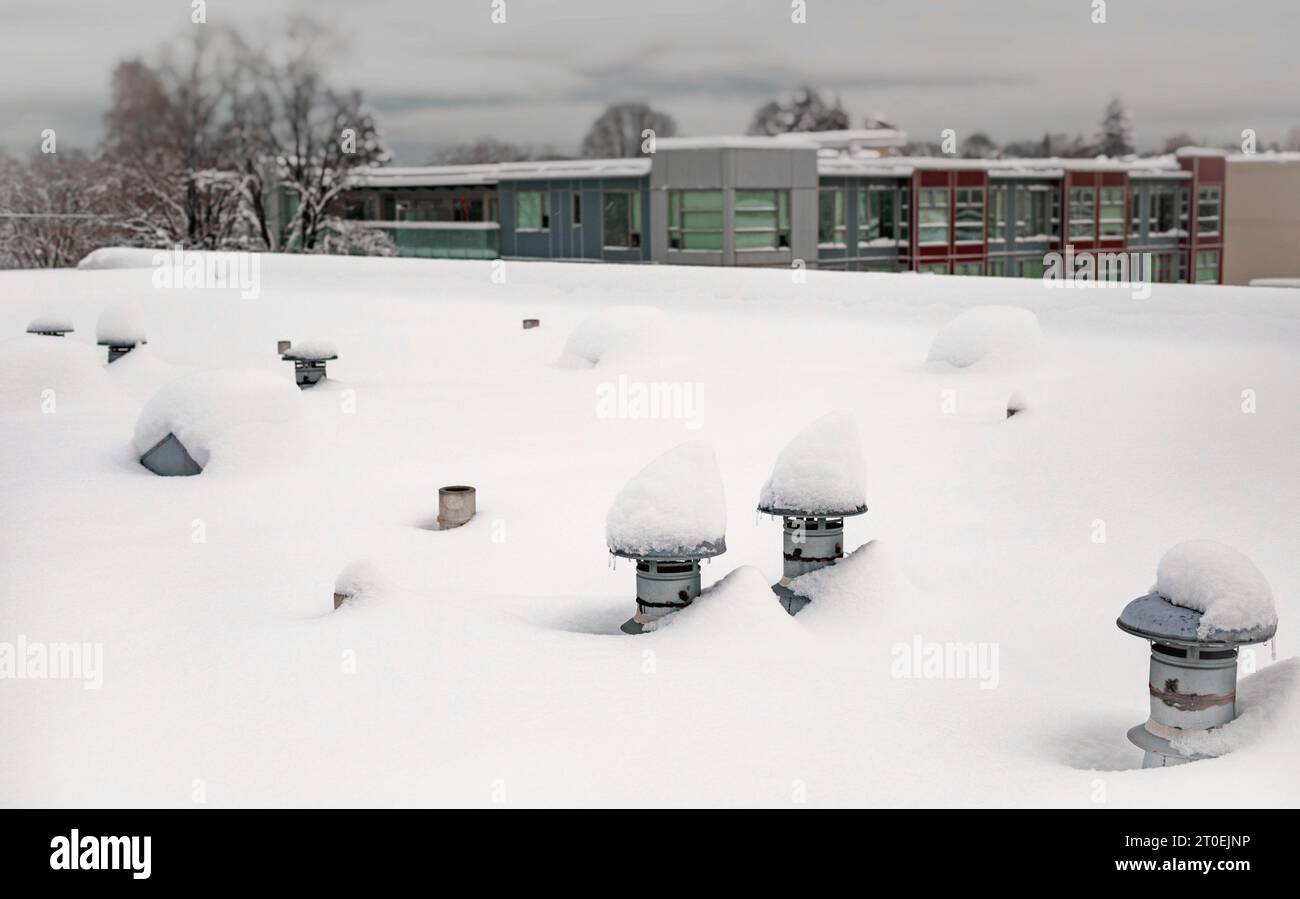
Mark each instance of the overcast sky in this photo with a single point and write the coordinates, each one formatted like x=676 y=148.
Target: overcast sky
x=440 y=72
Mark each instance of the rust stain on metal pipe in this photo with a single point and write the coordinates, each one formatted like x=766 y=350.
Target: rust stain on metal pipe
x=1190 y=702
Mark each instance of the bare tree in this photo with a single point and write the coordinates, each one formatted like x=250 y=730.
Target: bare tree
x=54 y=210
x=169 y=151
x=979 y=146
x=620 y=130
x=487 y=150
x=297 y=134
x=804 y=111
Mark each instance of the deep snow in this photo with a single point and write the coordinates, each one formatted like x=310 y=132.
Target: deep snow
x=488 y=668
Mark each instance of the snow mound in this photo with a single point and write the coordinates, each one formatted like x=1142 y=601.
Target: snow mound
x=202 y=408
x=615 y=334
x=49 y=323
x=312 y=350
x=672 y=508
x=1218 y=581
x=1267 y=701
x=820 y=470
x=122 y=325
x=738 y=610
x=118 y=257
x=142 y=371
x=986 y=333
x=30 y=365
x=866 y=581
x=359 y=578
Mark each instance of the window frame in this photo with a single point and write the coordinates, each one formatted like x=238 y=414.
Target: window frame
x=780 y=211
x=1078 y=221
x=633 y=214
x=544 y=212
x=968 y=204
x=925 y=202
x=1201 y=217
x=1106 y=200
x=839 y=225
x=677 y=212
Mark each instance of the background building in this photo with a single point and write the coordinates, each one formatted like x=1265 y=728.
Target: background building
x=1262 y=217
x=835 y=200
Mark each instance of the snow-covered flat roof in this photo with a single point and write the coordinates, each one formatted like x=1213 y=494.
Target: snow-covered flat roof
x=828 y=163
x=493 y=173
x=1046 y=167
x=465 y=636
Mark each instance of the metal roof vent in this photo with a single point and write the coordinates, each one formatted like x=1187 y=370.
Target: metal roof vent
x=456 y=506
x=118 y=348
x=121 y=329
x=1193 y=674
x=308 y=360
x=667 y=518
x=817 y=482
x=170 y=459
x=50 y=327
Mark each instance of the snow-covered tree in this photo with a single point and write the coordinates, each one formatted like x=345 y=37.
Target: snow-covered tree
x=1116 y=137
x=617 y=134
x=299 y=135
x=54 y=210
x=979 y=146
x=803 y=111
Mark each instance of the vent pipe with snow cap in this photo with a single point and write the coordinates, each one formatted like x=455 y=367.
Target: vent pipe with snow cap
x=121 y=330
x=667 y=518
x=309 y=358
x=1208 y=600
x=817 y=482
x=50 y=327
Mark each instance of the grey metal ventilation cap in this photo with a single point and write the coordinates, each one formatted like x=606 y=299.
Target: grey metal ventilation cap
x=1193 y=679
x=308 y=368
x=810 y=540
x=117 y=348
x=666 y=581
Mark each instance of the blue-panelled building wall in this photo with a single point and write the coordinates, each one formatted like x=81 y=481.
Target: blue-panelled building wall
x=576 y=225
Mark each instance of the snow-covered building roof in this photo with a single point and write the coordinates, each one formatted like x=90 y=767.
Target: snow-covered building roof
x=494 y=173
x=1046 y=167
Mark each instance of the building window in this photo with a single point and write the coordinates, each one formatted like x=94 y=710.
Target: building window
x=1112 y=212
x=1083 y=211
x=935 y=268
x=831 y=230
x=695 y=220
x=997 y=268
x=576 y=206
x=532 y=211
x=621 y=217
x=762 y=219
x=998 y=212
x=882 y=216
x=968 y=268
x=1207 y=211
x=1030 y=268
x=904 y=214
x=1031 y=213
x=932 y=215
x=970 y=215
x=1207 y=267
x=1135 y=215
x=1183 y=215
x=1164 y=212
